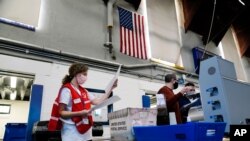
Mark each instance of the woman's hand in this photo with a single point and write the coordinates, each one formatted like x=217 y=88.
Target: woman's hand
x=85 y=113
x=99 y=100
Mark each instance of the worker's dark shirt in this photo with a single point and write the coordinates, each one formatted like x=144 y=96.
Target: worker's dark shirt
x=184 y=111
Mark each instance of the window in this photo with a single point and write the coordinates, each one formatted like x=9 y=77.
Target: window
x=22 y=14
x=14 y=86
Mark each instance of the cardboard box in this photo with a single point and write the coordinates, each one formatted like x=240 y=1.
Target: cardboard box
x=121 y=122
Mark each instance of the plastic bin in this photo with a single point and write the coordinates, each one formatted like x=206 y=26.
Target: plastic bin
x=197 y=131
x=15 y=132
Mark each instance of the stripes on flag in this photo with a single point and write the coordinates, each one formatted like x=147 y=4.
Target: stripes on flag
x=132 y=35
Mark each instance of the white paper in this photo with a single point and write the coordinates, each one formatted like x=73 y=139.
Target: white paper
x=111 y=83
x=191 y=104
x=161 y=102
x=106 y=102
x=172 y=118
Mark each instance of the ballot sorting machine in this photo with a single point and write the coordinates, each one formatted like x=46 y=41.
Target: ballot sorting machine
x=224 y=98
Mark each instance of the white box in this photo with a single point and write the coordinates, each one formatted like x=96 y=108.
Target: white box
x=121 y=122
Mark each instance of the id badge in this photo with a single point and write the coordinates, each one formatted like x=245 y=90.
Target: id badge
x=78 y=100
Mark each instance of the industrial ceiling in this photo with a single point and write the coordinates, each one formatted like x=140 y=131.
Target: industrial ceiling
x=199 y=17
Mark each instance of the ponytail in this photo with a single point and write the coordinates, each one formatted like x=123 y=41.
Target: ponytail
x=66 y=79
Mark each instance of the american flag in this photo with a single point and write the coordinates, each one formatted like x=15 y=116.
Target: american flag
x=132 y=35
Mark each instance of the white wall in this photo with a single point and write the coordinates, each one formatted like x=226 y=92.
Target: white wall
x=163 y=30
x=231 y=53
x=79 y=27
x=18 y=114
x=51 y=74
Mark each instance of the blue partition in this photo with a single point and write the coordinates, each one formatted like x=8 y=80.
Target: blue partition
x=35 y=109
x=145 y=101
x=199 y=54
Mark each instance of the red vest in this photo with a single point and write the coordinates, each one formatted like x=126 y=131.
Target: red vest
x=78 y=103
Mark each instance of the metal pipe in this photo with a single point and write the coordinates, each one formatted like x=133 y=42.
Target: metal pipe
x=110 y=12
x=177 y=70
x=108 y=43
x=32 y=51
x=154 y=65
x=16 y=73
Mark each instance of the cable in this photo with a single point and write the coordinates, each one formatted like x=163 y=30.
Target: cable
x=209 y=33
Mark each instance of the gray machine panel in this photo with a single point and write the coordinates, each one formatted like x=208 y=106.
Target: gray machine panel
x=225 y=67
x=238 y=100
x=223 y=97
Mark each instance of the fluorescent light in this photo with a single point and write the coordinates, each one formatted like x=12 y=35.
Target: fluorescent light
x=13 y=96
x=13 y=82
x=242 y=2
x=18 y=24
x=162 y=62
x=166 y=63
x=153 y=106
